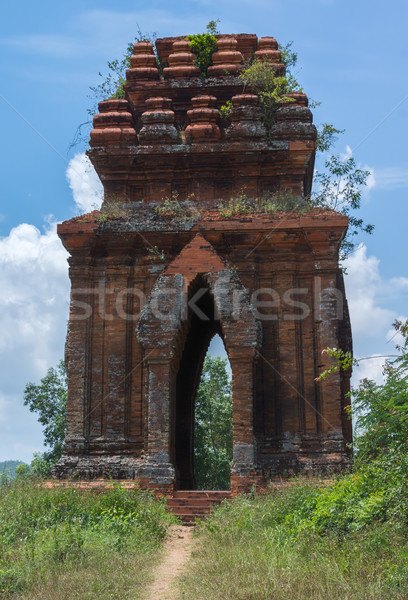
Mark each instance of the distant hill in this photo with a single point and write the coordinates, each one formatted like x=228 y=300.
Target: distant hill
x=10 y=466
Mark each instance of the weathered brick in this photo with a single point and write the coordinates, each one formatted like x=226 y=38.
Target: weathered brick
x=135 y=360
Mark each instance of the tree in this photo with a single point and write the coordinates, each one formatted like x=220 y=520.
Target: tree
x=381 y=411
x=213 y=426
x=49 y=400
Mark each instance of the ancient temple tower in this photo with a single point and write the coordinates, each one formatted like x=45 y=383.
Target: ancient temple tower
x=188 y=243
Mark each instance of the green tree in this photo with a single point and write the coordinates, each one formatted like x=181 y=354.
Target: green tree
x=381 y=411
x=213 y=426
x=49 y=400
x=339 y=187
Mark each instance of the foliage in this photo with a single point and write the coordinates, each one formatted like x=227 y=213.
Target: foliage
x=343 y=361
x=272 y=90
x=275 y=203
x=288 y=56
x=253 y=548
x=9 y=467
x=113 y=83
x=339 y=185
x=170 y=206
x=49 y=400
x=156 y=254
x=381 y=411
x=339 y=188
x=225 y=110
x=213 y=426
x=376 y=491
x=61 y=543
x=326 y=136
x=203 y=45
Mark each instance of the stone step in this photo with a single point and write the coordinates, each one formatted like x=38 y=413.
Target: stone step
x=213 y=494
x=193 y=510
x=191 y=504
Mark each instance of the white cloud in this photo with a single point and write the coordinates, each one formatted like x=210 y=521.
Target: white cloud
x=370 y=367
x=34 y=302
x=390 y=178
x=84 y=182
x=34 y=292
x=400 y=282
x=364 y=287
x=372 y=302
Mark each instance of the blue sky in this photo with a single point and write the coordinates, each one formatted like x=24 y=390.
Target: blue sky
x=352 y=57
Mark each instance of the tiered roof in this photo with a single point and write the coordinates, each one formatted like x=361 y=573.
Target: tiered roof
x=167 y=135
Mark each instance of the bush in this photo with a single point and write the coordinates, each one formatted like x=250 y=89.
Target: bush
x=255 y=548
x=46 y=531
x=203 y=45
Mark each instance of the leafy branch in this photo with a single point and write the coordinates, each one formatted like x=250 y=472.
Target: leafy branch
x=203 y=45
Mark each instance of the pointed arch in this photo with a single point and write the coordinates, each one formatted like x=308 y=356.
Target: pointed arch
x=174 y=330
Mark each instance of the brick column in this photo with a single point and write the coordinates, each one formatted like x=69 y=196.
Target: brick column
x=158 y=464
x=327 y=314
x=242 y=365
x=116 y=275
x=77 y=353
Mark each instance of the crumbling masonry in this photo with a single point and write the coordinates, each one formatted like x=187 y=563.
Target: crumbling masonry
x=153 y=280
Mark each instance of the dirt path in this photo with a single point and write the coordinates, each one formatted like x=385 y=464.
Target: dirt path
x=177 y=551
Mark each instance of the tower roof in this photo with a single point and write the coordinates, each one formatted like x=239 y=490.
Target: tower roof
x=168 y=134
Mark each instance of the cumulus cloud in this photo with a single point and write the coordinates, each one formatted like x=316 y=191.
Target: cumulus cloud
x=34 y=302
x=85 y=184
x=364 y=290
x=369 y=297
x=34 y=292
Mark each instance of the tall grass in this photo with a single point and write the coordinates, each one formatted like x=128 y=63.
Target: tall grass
x=253 y=549
x=65 y=543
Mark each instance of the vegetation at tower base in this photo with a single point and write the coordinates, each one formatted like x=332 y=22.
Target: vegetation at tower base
x=254 y=547
x=64 y=543
x=310 y=537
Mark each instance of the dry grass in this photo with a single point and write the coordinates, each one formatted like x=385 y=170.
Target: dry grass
x=65 y=544
x=250 y=551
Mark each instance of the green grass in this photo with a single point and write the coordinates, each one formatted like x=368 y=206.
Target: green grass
x=257 y=548
x=64 y=543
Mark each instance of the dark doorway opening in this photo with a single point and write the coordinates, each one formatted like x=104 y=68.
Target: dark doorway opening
x=191 y=433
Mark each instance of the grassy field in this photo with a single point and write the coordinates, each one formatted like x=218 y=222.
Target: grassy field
x=63 y=543
x=345 y=540
x=260 y=548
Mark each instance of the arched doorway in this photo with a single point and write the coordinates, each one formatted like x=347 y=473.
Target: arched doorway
x=204 y=325
x=174 y=341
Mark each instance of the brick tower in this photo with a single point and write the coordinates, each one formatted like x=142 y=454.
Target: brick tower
x=187 y=245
